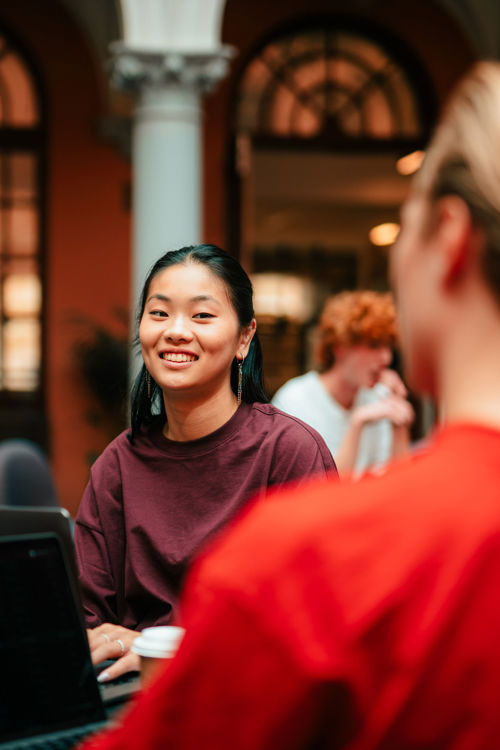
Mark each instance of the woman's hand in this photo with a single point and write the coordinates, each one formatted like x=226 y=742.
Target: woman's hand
x=109 y=641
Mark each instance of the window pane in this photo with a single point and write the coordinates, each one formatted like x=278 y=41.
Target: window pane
x=23 y=177
x=305 y=44
x=280 y=112
x=22 y=295
x=21 y=350
x=378 y=115
x=255 y=81
x=306 y=122
x=410 y=121
x=347 y=75
x=17 y=178
x=367 y=50
x=309 y=75
x=302 y=82
x=20 y=264
x=22 y=231
x=351 y=123
x=20 y=280
x=18 y=107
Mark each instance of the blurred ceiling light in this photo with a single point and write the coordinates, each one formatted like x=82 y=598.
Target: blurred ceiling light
x=410 y=163
x=282 y=295
x=22 y=295
x=384 y=234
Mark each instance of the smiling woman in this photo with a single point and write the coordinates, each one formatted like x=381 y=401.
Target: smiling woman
x=203 y=442
x=191 y=338
x=197 y=296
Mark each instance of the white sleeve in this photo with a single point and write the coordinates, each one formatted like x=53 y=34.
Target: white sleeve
x=287 y=399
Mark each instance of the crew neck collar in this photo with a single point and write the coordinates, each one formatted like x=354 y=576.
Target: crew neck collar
x=203 y=444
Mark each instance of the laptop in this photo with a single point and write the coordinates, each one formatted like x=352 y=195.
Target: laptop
x=29 y=520
x=16 y=520
x=48 y=690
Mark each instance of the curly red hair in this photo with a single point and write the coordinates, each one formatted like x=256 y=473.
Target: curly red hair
x=351 y=318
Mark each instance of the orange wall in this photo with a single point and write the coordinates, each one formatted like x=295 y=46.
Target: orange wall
x=88 y=227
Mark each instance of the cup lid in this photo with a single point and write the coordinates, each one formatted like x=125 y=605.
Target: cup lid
x=160 y=642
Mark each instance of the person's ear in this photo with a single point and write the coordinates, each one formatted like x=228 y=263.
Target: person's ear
x=456 y=239
x=246 y=337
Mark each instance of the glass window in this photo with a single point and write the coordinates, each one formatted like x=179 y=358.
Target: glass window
x=21 y=349
x=21 y=295
x=327 y=80
x=18 y=107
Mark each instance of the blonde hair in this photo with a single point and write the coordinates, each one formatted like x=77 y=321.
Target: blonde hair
x=352 y=318
x=464 y=158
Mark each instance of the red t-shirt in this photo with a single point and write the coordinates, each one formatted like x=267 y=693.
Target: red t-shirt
x=371 y=621
x=151 y=505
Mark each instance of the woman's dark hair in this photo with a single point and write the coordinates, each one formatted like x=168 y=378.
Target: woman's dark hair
x=144 y=407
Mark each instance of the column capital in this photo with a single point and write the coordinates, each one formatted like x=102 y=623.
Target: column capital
x=132 y=68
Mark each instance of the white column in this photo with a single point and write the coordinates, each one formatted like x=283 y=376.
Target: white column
x=166 y=147
x=166 y=158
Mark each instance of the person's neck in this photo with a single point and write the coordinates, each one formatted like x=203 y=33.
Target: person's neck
x=337 y=386
x=469 y=366
x=189 y=420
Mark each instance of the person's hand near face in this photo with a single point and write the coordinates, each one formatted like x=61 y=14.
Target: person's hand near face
x=393 y=382
x=394 y=408
x=365 y=366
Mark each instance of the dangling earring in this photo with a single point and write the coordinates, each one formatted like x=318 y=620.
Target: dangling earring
x=148 y=383
x=240 y=380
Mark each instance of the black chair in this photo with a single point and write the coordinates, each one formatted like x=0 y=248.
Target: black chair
x=25 y=476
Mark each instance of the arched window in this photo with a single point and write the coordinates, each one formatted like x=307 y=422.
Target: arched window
x=20 y=251
x=22 y=412
x=329 y=83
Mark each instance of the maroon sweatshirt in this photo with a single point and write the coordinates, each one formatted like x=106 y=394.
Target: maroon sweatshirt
x=150 y=506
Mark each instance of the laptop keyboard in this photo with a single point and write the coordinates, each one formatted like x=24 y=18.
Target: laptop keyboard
x=121 y=688
x=123 y=679
x=62 y=741
x=103 y=665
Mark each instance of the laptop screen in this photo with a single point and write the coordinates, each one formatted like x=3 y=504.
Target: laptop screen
x=18 y=520
x=47 y=681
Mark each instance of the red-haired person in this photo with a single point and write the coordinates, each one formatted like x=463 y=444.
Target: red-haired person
x=358 y=406
x=366 y=616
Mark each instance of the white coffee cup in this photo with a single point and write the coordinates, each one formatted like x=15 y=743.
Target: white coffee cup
x=155 y=645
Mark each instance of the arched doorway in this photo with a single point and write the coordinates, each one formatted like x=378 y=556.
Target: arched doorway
x=22 y=146
x=323 y=112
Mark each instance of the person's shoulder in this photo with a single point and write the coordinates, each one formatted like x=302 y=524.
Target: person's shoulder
x=119 y=449
x=269 y=412
x=117 y=444
x=412 y=501
x=286 y=425
x=291 y=525
x=297 y=385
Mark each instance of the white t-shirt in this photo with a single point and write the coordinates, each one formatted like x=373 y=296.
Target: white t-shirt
x=306 y=397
